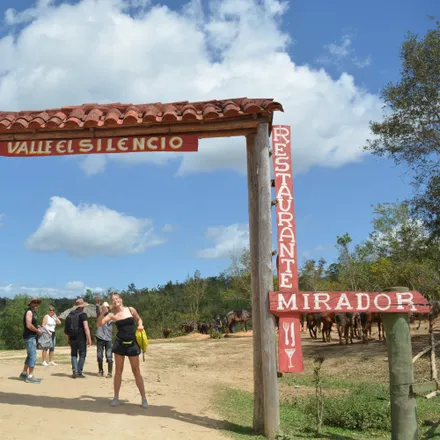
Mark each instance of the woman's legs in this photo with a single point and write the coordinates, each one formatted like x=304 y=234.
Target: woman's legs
x=135 y=367
x=119 y=368
x=44 y=354
x=52 y=349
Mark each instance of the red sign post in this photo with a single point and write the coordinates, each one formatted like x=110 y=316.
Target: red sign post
x=289 y=302
x=289 y=346
x=97 y=145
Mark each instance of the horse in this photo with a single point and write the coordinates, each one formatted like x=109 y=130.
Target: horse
x=234 y=316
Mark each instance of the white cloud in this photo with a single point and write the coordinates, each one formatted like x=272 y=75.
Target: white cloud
x=106 y=51
x=93 y=164
x=226 y=240
x=169 y=228
x=73 y=289
x=338 y=54
x=75 y=285
x=317 y=251
x=86 y=230
x=13 y=17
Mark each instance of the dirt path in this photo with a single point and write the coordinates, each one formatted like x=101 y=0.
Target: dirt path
x=180 y=385
x=181 y=379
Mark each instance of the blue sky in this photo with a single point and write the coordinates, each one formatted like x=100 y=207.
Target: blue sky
x=328 y=77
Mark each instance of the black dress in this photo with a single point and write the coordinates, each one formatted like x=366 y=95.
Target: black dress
x=125 y=342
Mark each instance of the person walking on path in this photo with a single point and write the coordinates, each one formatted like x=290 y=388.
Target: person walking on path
x=218 y=324
x=78 y=337
x=125 y=344
x=50 y=322
x=30 y=333
x=104 y=337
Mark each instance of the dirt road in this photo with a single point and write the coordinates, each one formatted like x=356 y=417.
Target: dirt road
x=181 y=379
x=180 y=386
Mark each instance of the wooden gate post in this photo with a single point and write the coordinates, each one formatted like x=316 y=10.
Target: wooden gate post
x=403 y=403
x=266 y=397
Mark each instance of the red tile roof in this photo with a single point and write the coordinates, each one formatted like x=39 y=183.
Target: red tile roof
x=117 y=114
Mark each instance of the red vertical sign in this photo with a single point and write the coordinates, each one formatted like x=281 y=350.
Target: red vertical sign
x=289 y=345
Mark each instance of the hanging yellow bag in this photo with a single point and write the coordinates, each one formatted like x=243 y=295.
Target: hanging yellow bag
x=142 y=341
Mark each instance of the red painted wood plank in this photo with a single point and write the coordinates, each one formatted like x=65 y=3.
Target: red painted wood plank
x=383 y=302
x=287 y=266
x=290 y=359
x=123 y=144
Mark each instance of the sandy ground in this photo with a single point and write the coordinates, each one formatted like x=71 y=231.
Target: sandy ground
x=60 y=407
x=181 y=378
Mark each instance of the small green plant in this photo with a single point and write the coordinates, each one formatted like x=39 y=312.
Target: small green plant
x=365 y=408
x=215 y=335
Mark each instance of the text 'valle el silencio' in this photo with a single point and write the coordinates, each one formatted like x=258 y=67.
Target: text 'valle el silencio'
x=100 y=145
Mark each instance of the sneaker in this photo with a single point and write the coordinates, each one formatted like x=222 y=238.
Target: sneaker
x=101 y=374
x=109 y=375
x=32 y=379
x=44 y=363
x=80 y=376
x=23 y=376
x=145 y=403
x=53 y=363
x=74 y=375
x=114 y=402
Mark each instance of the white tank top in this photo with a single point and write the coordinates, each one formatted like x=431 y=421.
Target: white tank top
x=51 y=323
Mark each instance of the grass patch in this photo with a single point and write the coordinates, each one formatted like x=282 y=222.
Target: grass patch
x=237 y=408
x=361 y=413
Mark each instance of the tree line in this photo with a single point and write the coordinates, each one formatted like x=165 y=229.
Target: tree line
x=398 y=251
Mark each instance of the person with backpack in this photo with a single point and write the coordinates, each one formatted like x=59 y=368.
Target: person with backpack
x=104 y=336
x=78 y=337
x=30 y=332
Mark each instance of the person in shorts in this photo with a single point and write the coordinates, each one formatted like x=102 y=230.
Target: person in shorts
x=50 y=322
x=127 y=320
x=30 y=333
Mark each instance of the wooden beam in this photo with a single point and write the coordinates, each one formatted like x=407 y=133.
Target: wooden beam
x=216 y=128
x=402 y=400
x=423 y=352
x=260 y=230
x=420 y=389
x=433 y=359
x=258 y=418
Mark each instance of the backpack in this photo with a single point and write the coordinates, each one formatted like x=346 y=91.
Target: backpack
x=44 y=341
x=71 y=327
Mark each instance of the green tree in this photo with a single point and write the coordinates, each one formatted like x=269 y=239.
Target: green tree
x=410 y=131
x=401 y=251
x=89 y=296
x=353 y=265
x=311 y=275
x=11 y=320
x=194 y=292
x=238 y=273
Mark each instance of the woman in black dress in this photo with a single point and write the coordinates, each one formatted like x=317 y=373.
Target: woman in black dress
x=125 y=344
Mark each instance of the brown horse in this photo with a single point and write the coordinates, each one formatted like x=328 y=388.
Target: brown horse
x=235 y=316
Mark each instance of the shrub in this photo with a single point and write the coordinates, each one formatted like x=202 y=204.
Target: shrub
x=215 y=335
x=364 y=409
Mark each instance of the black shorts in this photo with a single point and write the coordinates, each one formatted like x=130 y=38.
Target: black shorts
x=126 y=348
